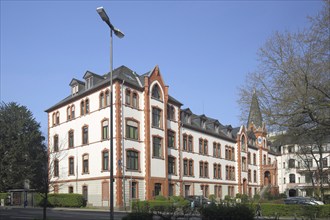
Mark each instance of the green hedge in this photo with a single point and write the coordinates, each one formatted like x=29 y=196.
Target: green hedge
x=4 y=196
x=61 y=200
x=321 y=211
x=224 y=212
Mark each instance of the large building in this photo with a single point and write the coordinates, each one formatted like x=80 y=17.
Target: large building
x=159 y=147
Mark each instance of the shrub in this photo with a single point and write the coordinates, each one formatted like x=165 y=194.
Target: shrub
x=224 y=212
x=61 y=200
x=320 y=211
x=161 y=198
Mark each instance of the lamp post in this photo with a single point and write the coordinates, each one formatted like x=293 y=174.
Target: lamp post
x=119 y=34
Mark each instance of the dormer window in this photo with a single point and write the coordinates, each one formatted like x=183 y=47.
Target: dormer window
x=216 y=128
x=74 y=89
x=89 y=82
x=203 y=124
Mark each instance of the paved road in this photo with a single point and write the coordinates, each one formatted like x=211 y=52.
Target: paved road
x=12 y=213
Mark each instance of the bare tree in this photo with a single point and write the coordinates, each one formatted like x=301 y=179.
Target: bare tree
x=51 y=173
x=292 y=83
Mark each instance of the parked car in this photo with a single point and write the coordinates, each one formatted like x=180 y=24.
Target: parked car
x=302 y=201
x=198 y=201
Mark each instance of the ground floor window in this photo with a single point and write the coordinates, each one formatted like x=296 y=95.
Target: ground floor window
x=158 y=189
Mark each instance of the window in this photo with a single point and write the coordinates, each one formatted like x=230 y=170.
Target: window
x=291 y=149
x=215 y=149
x=157 y=147
x=283 y=164
x=131 y=98
x=171 y=165
x=57 y=117
x=292 y=178
x=230 y=173
x=269 y=161
x=71 y=166
x=132 y=160
x=87 y=106
x=72 y=112
x=102 y=100
x=291 y=163
x=205 y=190
x=203 y=169
x=89 y=82
x=156 y=117
x=134 y=190
x=243 y=143
x=132 y=128
x=158 y=189
x=171 y=139
x=85 y=134
x=264 y=161
x=85 y=164
x=128 y=97
x=249 y=158
x=249 y=175
x=155 y=92
x=254 y=176
x=70 y=189
x=170 y=112
x=309 y=163
x=105 y=129
x=135 y=100
x=190 y=143
x=107 y=97
x=218 y=191
x=105 y=160
x=185 y=167
x=244 y=166
x=84 y=107
x=191 y=168
x=68 y=113
x=185 y=148
x=203 y=146
x=56 y=168
x=71 y=139
x=324 y=162
x=56 y=143
x=254 y=159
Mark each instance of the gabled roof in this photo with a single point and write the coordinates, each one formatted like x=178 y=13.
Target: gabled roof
x=76 y=81
x=89 y=73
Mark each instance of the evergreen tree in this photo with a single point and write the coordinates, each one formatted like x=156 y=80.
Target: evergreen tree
x=23 y=155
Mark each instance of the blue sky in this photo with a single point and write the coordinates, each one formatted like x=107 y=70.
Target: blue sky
x=204 y=49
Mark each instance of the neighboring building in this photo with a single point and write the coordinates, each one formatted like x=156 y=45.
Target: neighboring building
x=159 y=148
x=298 y=169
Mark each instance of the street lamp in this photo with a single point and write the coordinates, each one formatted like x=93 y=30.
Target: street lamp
x=119 y=34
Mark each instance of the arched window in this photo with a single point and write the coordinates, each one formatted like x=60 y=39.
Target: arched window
x=107 y=97
x=82 y=107
x=87 y=106
x=243 y=143
x=105 y=129
x=132 y=160
x=57 y=117
x=72 y=112
x=101 y=100
x=68 y=113
x=155 y=92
